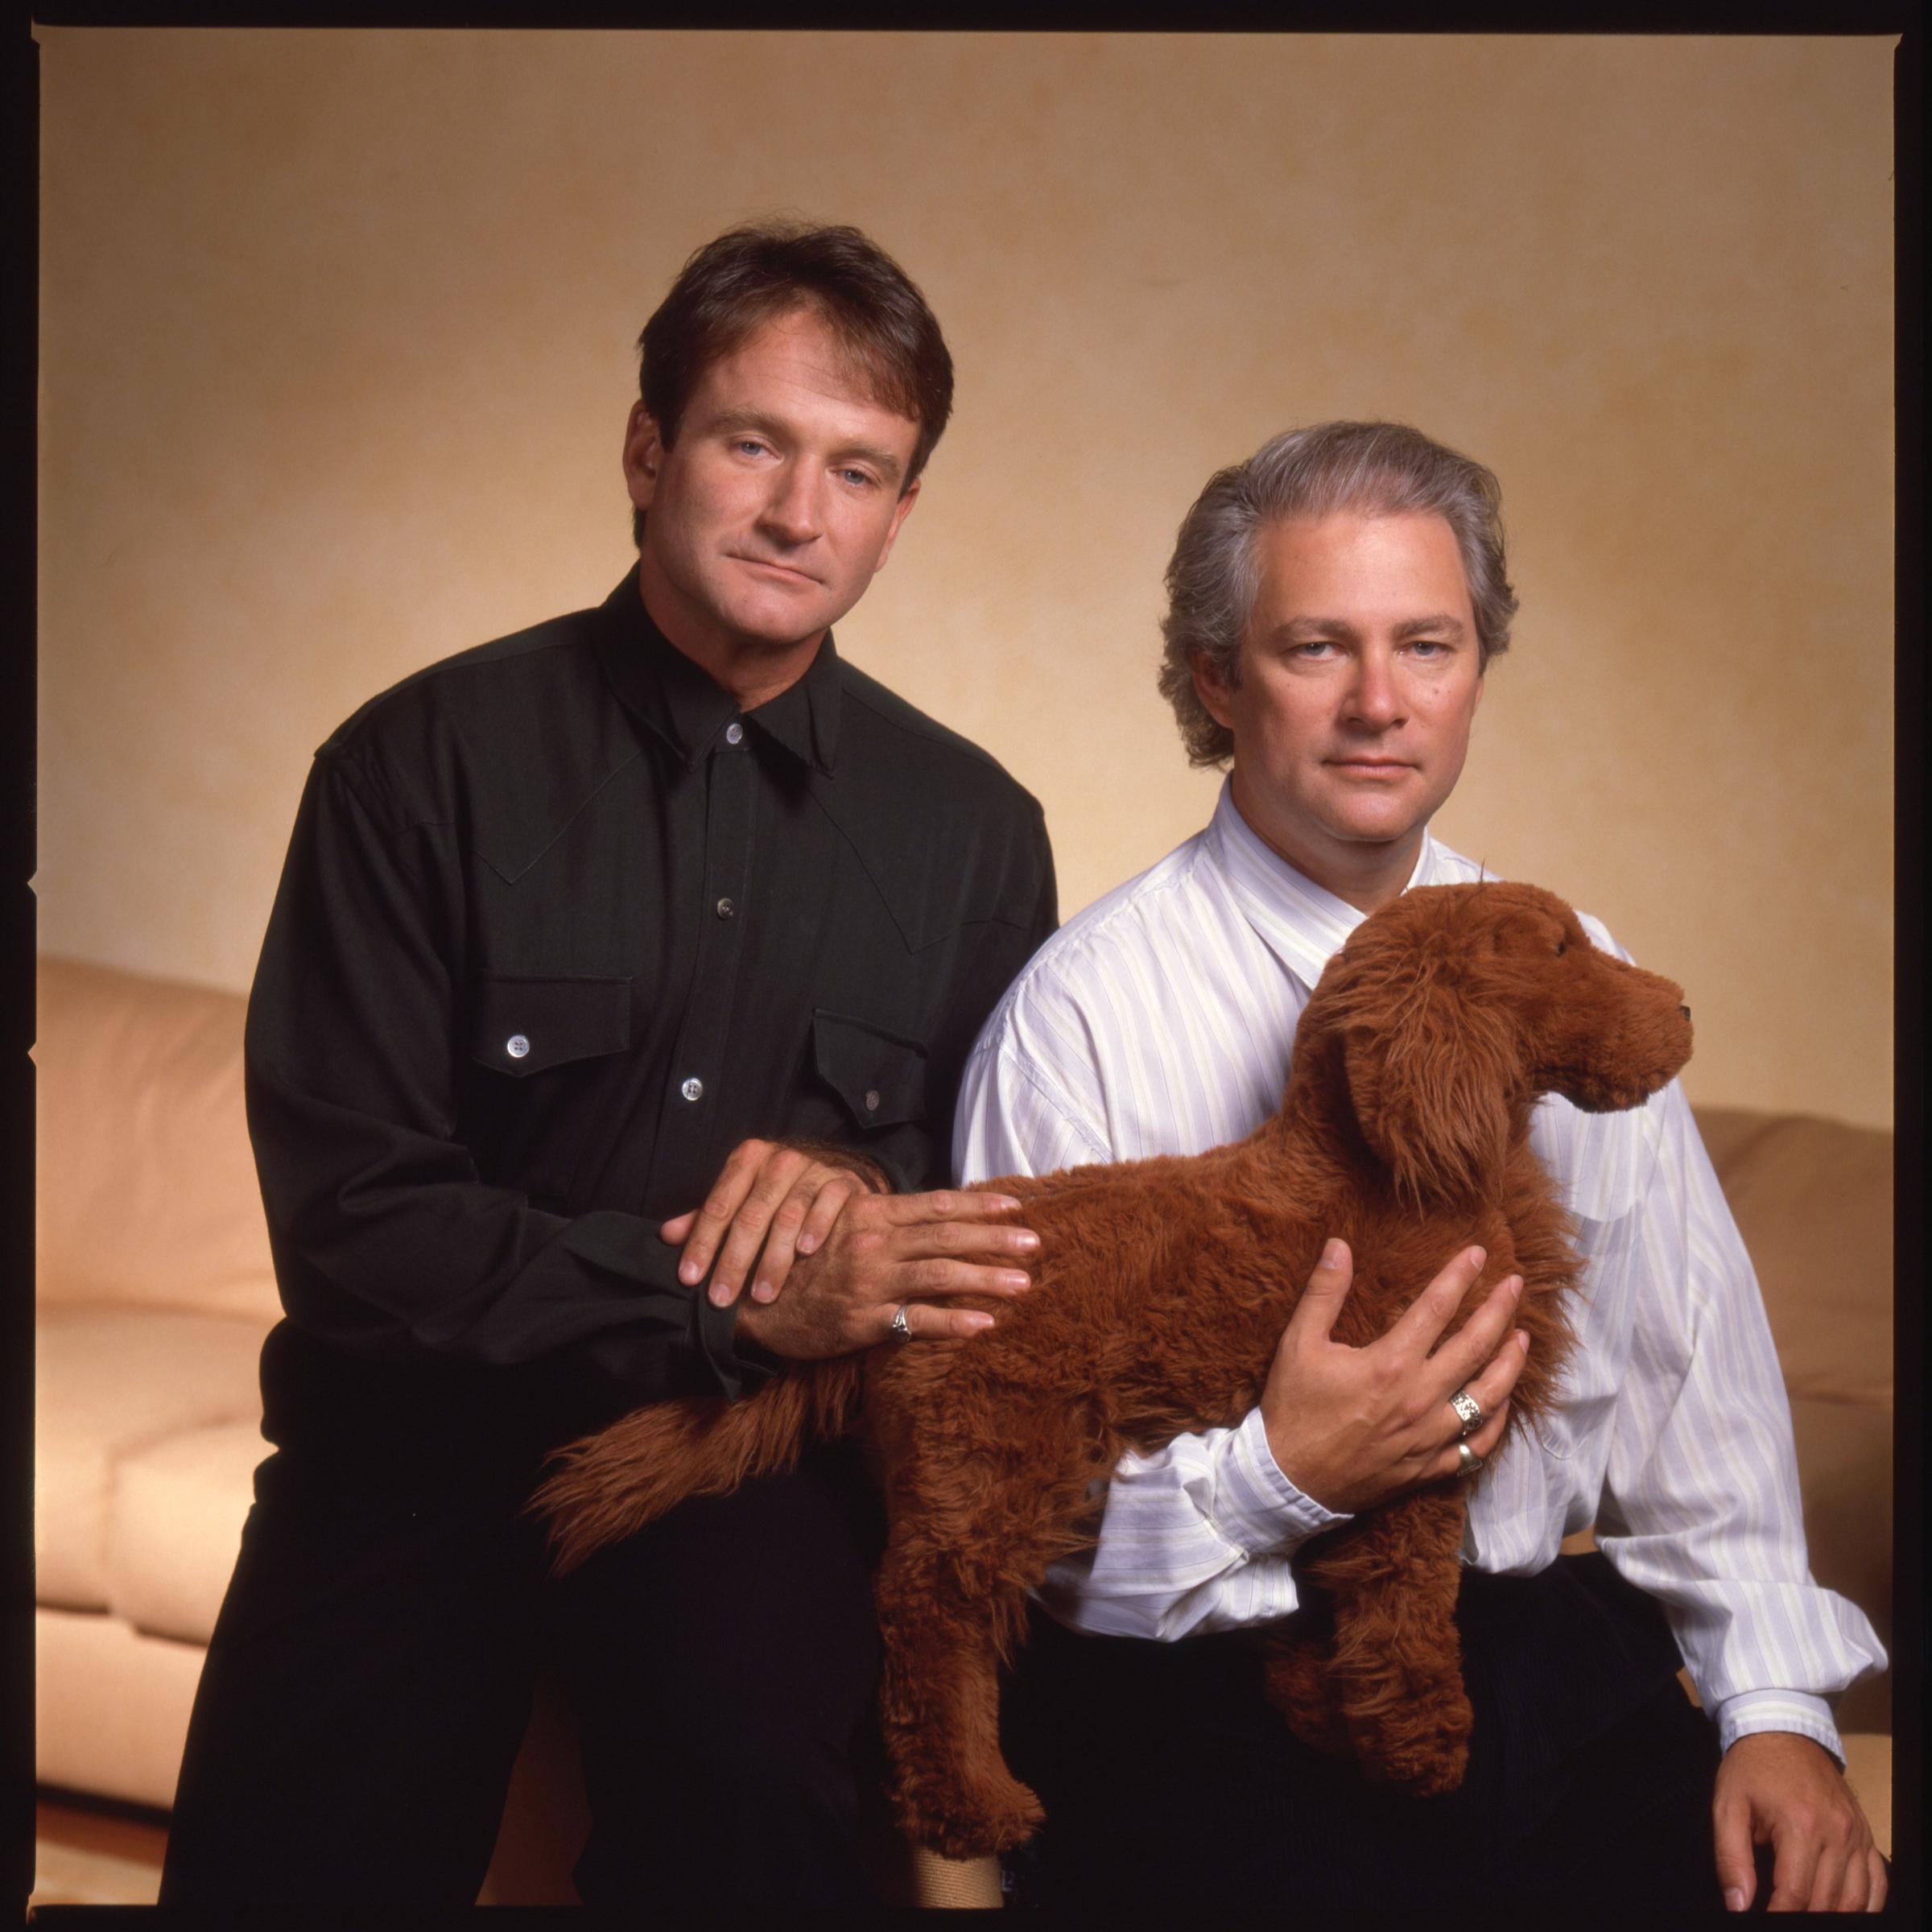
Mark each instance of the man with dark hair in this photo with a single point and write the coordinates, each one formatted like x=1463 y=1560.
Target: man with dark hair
x=618 y=967
x=1333 y=605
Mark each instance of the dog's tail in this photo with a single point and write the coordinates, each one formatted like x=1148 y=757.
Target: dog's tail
x=611 y=1483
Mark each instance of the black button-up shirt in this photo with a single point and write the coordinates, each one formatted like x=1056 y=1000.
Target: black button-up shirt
x=558 y=927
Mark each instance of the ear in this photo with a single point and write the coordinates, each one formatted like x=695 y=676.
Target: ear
x=643 y=455
x=1213 y=693
x=900 y=512
x=1430 y=1079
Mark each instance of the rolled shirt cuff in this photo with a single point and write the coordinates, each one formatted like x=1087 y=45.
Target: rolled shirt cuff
x=1751 y=1712
x=739 y=1364
x=1255 y=1507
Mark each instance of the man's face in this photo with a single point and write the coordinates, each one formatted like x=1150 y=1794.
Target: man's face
x=782 y=496
x=1358 y=682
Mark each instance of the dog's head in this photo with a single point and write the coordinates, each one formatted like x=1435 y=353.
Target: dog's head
x=1458 y=1006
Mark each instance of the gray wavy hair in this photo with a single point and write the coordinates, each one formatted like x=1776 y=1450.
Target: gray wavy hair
x=1373 y=469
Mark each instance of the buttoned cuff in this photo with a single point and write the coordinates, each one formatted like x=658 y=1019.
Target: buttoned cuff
x=1751 y=1712
x=1255 y=1506
x=629 y=1246
x=737 y=1362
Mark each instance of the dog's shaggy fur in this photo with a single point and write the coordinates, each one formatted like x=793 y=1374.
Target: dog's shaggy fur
x=1160 y=1291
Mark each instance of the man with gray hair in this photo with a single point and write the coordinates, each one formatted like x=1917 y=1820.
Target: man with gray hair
x=1334 y=603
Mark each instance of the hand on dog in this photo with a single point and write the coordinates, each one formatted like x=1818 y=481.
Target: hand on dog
x=770 y=1196
x=886 y=1250
x=1351 y=1427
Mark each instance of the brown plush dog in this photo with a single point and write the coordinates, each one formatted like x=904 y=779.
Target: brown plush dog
x=1160 y=1291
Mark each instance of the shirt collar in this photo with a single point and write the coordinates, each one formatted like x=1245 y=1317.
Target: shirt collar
x=1302 y=923
x=686 y=707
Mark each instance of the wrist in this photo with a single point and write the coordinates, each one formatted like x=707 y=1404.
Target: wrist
x=830 y=1154
x=1291 y=1464
x=1258 y=1504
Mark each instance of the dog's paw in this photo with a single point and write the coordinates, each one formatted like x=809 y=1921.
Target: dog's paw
x=961 y=1825
x=1428 y=1775
x=1294 y=1681
x=1424 y=1767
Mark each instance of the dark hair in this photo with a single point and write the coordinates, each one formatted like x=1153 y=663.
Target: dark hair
x=759 y=271
x=1374 y=468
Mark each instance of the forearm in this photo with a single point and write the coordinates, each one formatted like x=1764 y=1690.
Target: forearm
x=390 y=1241
x=1701 y=1506
x=388 y=1245
x=1754 y=1712
x=1198 y=1536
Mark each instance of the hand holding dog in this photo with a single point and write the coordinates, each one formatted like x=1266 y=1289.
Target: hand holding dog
x=772 y=1201
x=885 y=1251
x=1353 y=1428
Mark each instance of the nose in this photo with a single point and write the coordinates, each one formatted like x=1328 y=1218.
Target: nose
x=1373 y=698
x=791 y=511
x=1685 y=1011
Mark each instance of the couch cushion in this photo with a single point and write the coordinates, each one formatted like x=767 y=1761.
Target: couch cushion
x=110 y=1383
x=1844 y=1459
x=1813 y=1199
x=110 y=1706
x=146 y=1185
x=174 y=1525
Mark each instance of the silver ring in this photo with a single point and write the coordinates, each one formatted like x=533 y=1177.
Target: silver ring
x=1468 y=1458
x=902 y=1329
x=1469 y=1411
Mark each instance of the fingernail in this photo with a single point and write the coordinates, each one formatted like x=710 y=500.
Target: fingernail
x=975 y=1321
x=1012 y=1278
x=1477 y=1256
x=1007 y=1200
x=1734 y=1900
x=762 y=1291
x=1515 y=1294
x=720 y=1293
x=1522 y=1342
x=1027 y=1240
x=1331 y=1254
x=688 y=1272
x=806 y=1243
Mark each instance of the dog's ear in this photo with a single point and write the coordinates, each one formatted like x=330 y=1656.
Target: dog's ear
x=1431 y=1079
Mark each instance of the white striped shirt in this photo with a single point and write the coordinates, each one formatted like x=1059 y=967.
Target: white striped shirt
x=1160 y=1021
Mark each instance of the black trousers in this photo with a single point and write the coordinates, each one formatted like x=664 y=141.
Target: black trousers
x=371 y=1676
x=1170 y=1784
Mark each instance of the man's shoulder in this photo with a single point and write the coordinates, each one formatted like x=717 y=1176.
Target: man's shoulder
x=489 y=686
x=895 y=737
x=507 y=741
x=906 y=790
x=1119 y=949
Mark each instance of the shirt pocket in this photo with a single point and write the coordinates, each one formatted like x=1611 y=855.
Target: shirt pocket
x=522 y=1026
x=880 y=1076
x=547 y=1055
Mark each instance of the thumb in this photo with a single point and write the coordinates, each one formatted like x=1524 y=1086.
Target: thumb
x=675 y=1229
x=1736 y=1867
x=1327 y=1289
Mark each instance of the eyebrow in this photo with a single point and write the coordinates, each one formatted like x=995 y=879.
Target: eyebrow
x=1440 y=624
x=732 y=420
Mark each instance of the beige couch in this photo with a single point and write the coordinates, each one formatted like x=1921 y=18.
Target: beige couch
x=155 y=1291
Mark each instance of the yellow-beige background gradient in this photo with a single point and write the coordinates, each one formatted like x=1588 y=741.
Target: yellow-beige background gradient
x=336 y=351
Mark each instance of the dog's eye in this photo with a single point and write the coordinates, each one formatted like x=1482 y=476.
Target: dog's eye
x=1562 y=946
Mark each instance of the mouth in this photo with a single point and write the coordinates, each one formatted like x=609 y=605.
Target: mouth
x=782 y=572
x=1370 y=768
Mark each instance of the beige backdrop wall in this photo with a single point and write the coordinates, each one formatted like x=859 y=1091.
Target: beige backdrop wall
x=336 y=351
